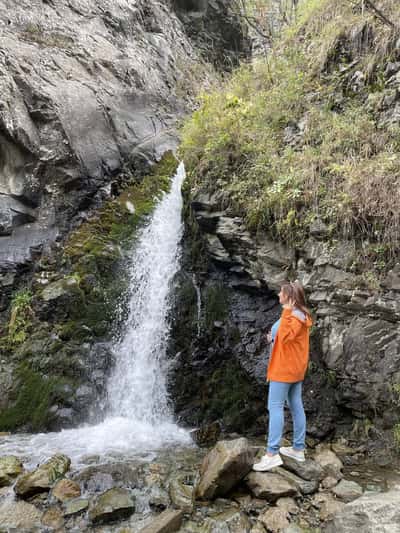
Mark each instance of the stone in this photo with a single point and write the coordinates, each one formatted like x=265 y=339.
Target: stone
x=182 y=496
x=53 y=518
x=369 y=514
x=167 y=522
x=72 y=507
x=275 y=520
x=288 y=504
x=327 y=504
x=231 y=520
x=329 y=482
x=10 y=468
x=258 y=528
x=206 y=435
x=66 y=489
x=308 y=470
x=223 y=467
x=329 y=462
x=347 y=491
x=114 y=504
x=43 y=478
x=304 y=486
x=19 y=516
x=270 y=485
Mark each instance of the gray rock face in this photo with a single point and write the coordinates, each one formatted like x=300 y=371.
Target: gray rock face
x=226 y=464
x=369 y=514
x=355 y=348
x=88 y=89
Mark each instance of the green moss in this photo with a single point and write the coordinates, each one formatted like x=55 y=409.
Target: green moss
x=21 y=317
x=229 y=395
x=396 y=435
x=32 y=401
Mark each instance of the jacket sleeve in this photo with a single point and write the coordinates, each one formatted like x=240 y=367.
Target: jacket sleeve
x=289 y=327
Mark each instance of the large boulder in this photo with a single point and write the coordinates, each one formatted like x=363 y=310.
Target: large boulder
x=369 y=514
x=114 y=504
x=308 y=470
x=270 y=485
x=43 y=478
x=10 y=468
x=226 y=464
x=347 y=491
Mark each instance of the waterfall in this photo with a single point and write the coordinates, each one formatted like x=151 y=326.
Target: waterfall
x=137 y=389
x=139 y=416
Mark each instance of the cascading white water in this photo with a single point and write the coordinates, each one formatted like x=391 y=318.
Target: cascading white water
x=139 y=417
x=138 y=389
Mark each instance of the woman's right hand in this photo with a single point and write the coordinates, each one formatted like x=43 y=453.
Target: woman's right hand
x=269 y=337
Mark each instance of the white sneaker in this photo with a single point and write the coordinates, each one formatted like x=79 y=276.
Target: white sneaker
x=294 y=454
x=268 y=462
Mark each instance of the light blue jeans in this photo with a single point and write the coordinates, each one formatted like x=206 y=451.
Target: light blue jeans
x=279 y=393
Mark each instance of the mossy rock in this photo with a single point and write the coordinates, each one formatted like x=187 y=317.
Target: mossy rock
x=32 y=400
x=43 y=478
x=10 y=468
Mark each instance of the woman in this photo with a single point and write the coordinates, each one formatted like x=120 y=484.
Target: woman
x=286 y=370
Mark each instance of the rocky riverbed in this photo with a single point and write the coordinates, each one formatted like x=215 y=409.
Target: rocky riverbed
x=199 y=490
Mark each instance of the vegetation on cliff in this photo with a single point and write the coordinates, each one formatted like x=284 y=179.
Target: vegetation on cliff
x=310 y=134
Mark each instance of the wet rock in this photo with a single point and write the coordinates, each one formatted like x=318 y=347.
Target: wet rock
x=42 y=479
x=369 y=514
x=10 y=468
x=114 y=504
x=327 y=504
x=66 y=489
x=304 y=486
x=158 y=498
x=329 y=462
x=98 y=478
x=53 y=518
x=347 y=491
x=270 y=485
x=167 y=522
x=231 y=521
x=206 y=435
x=72 y=507
x=182 y=496
x=224 y=466
x=275 y=520
x=309 y=469
x=19 y=516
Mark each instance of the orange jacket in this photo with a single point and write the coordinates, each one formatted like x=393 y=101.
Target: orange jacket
x=289 y=357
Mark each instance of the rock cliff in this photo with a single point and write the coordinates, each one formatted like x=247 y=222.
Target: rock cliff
x=91 y=93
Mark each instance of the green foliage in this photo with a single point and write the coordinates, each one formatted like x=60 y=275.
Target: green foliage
x=32 y=401
x=396 y=435
x=21 y=317
x=289 y=140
